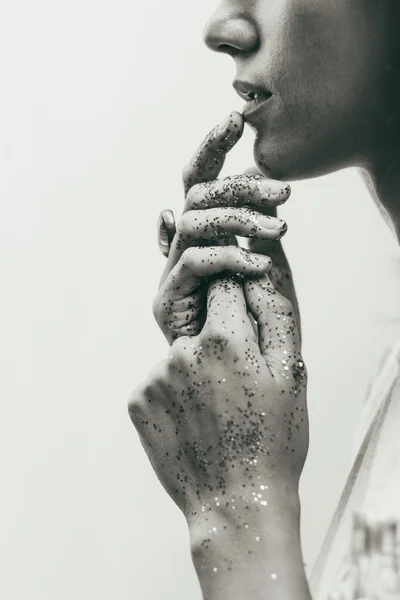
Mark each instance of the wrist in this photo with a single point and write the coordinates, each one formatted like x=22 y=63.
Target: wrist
x=242 y=529
x=249 y=550
x=256 y=502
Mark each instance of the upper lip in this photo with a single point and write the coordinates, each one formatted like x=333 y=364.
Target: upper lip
x=248 y=90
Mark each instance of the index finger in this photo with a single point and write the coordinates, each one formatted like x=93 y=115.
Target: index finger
x=209 y=159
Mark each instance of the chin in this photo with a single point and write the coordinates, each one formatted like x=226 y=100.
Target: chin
x=277 y=160
x=284 y=161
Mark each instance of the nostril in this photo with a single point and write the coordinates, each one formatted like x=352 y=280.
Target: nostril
x=227 y=49
x=231 y=36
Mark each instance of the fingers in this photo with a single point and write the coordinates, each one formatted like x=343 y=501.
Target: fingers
x=280 y=273
x=210 y=156
x=280 y=192
x=214 y=223
x=204 y=166
x=227 y=313
x=201 y=227
x=238 y=190
x=180 y=304
x=282 y=279
x=277 y=329
x=249 y=189
x=197 y=263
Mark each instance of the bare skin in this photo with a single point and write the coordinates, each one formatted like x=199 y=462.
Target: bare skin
x=224 y=418
x=214 y=212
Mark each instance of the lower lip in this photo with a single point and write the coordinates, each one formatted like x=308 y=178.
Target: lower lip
x=254 y=107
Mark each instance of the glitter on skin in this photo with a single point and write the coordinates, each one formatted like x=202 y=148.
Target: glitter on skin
x=245 y=436
x=237 y=190
x=210 y=157
x=179 y=314
x=201 y=227
x=243 y=430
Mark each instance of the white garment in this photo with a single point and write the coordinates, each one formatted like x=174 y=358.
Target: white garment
x=360 y=559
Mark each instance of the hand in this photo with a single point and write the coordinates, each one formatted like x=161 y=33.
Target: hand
x=224 y=419
x=215 y=211
x=224 y=423
x=180 y=306
x=226 y=407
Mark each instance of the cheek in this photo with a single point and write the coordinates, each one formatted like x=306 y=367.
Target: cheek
x=297 y=67
x=322 y=67
x=330 y=56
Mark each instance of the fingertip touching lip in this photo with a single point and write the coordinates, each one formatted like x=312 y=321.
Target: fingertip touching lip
x=251 y=91
x=255 y=96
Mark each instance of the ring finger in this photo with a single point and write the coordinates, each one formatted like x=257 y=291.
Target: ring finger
x=202 y=227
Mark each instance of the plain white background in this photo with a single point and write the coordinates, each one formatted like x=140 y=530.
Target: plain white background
x=102 y=103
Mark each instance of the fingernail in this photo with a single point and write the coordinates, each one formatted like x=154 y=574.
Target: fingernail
x=271 y=223
x=274 y=189
x=284 y=230
x=261 y=260
x=166 y=231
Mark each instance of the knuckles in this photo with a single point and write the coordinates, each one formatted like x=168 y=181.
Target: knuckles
x=185 y=224
x=149 y=391
x=194 y=191
x=200 y=350
x=190 y=258
x=285 y=305
x=304 y=372
x=157 y=308
x=180 y=353
x=137 y=404
x=187 y=176
x=216 y=338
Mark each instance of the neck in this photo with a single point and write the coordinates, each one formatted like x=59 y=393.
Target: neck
x=383 y=181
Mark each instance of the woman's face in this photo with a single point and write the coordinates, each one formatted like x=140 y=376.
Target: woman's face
x=326 y=75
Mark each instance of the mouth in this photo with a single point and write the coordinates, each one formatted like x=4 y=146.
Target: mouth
x=254 y=95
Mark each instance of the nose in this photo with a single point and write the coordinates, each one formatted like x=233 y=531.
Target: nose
x=231 y=34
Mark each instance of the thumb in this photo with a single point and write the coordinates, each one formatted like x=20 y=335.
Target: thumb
x=278 y=335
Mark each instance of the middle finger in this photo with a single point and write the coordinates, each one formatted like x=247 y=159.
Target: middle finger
x=238 y=190
x=202 y=227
